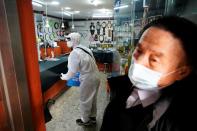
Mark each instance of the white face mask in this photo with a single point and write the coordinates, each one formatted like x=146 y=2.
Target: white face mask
x=144 y=78
x=69 y=44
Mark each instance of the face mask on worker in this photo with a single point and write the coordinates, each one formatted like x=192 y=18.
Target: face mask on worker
x=69 y=44
x=145 y=78
x=73 y=39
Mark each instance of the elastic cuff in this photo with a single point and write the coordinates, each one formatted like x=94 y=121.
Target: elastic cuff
x=85 y=119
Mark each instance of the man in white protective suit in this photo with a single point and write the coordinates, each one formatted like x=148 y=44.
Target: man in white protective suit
x=81 y=60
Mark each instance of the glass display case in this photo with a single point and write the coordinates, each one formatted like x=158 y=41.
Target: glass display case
x=130 y=16
x=123 y=23
x=147 y=10
x=123 y=31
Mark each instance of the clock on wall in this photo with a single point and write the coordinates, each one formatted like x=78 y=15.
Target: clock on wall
x=98 y=27
x=56 y=25
x=104 y=26
x=101 y=38
x=109 y=25
x=92 y=28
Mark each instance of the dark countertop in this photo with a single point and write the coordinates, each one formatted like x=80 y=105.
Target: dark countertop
x=45 y=65
x=50 y=71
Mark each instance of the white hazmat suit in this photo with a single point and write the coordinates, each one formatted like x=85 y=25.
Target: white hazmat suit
x=83 y=62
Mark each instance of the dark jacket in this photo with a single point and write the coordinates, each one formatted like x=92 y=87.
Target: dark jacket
x=180 y=115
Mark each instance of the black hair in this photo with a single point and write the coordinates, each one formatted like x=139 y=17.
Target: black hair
x=184 y=30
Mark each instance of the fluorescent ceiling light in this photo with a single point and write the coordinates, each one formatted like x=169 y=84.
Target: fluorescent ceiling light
x=67 y=8
x=121 y=7
x=39 y=1
x=76 y=12
x=36 y=4
x=95 y=2
x=54 y=3
x=105 y=10
x=67 y=13
x=101 y=16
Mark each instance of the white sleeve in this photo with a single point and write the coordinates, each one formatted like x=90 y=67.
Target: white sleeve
x=73 y=62
x=67 y=76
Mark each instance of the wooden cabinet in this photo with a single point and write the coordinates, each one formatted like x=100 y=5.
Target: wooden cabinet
x=64 y=48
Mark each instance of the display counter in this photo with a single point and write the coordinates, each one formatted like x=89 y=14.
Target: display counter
x=108 y=61
x=50 y=71
x=103 y=56
x=51 y=84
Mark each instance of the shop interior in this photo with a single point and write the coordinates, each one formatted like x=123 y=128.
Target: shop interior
x=110 y=28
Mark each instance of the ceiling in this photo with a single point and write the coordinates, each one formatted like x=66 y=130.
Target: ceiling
x=86 y=7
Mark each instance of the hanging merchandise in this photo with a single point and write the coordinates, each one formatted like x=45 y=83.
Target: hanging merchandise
x=53 y=29
x=54 y=35
x=50 y=30
x=58 y=33
x=101 y=38
x=98 y=27
x=62 y=33
x=51 y=37
x=101 y=31
x=41 y=36
x=91 y=39
x=109 y=25
x=96 y=37
x=92 y=28
x=113 y=32
x=46 y=30
x=112 y=37
x=39 y=27
x=47 y=38
x=56 y=25
x=104 y=26
x=126 y=27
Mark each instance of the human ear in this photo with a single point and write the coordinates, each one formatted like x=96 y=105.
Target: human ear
x=183 y=72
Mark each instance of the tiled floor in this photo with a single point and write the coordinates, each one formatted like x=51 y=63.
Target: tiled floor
x=66 y=110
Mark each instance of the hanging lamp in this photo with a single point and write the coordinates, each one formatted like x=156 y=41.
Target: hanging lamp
x=47 y=21
x=73 y=26
x=62 y=20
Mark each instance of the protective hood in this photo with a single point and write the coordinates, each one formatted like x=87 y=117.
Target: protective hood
x=73 y=39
